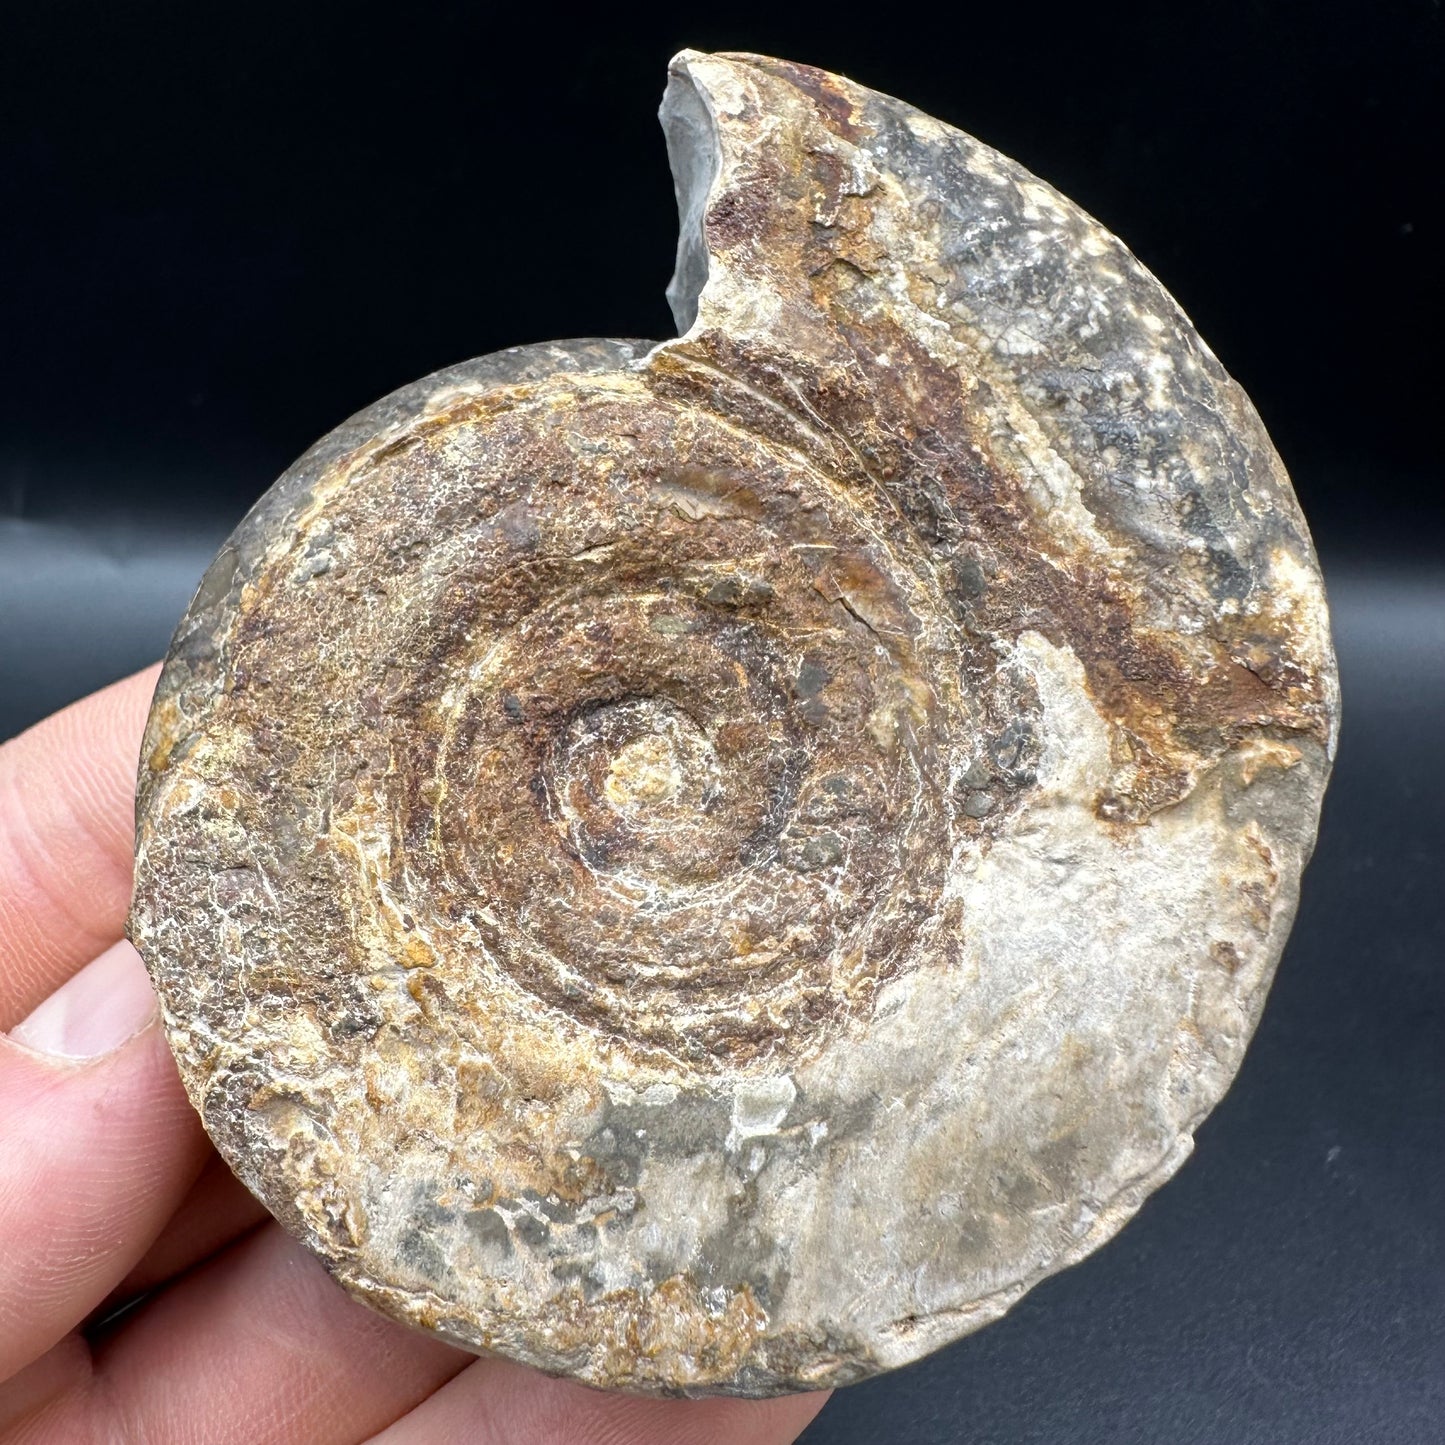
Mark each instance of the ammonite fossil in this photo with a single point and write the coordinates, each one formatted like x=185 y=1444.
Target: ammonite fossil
x=714 y=866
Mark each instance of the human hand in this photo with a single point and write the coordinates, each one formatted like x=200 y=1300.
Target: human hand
x=145 y=1296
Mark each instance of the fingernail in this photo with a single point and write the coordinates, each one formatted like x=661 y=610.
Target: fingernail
x=109 y=1001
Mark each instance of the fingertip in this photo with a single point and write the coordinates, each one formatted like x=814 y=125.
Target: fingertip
x=95 y=1155
x=93 y=1012
x=67 y=823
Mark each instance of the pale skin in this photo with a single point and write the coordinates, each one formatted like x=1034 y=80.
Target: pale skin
x=111 y=1195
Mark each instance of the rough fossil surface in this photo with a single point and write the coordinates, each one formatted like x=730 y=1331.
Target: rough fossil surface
x=715 y=866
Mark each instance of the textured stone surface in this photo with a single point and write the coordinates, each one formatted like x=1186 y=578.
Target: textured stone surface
x=715 y=866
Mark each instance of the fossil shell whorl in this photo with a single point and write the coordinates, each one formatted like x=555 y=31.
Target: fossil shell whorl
x=714 y=867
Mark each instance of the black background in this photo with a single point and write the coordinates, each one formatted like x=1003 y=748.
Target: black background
x=223 y=229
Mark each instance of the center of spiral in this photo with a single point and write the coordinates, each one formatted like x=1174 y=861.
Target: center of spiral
x=644 y=771
x=638 y=782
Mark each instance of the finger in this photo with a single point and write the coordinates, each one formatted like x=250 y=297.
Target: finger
x=216 y=1211
x=98 y=1145
x=494 y=1402
x=30 y=1400
x=67 y=791
x=257 y=1346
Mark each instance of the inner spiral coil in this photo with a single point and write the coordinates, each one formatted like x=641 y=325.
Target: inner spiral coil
x=652 y=728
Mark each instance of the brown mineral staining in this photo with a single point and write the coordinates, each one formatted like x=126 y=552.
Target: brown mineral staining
x=1226 y=955
x=715 y=866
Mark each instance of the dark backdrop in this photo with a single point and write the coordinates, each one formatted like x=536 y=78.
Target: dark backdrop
x=222 y=229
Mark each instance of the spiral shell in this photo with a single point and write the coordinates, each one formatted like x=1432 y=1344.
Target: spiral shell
x=713 y=867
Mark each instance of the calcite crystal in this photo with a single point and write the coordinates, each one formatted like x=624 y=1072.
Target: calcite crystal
x=715 y=866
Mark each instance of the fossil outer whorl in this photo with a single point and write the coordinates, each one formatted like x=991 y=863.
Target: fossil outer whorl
x=714 y=867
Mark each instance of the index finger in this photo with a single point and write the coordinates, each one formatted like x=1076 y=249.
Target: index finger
x=67 y=790
x=497 y=1400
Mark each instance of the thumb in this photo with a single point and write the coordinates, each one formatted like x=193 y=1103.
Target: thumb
x=98 y=1144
